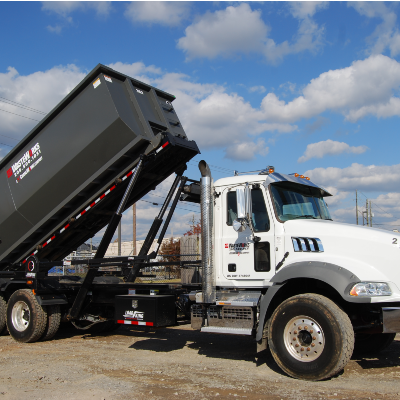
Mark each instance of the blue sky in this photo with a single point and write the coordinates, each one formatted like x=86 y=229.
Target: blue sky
x=307 y=87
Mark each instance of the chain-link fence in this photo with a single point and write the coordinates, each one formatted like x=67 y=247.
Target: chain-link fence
x=190 y=251
x=67 y=269
x=173 y=252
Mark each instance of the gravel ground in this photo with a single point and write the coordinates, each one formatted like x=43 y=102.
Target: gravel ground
x=175 y=363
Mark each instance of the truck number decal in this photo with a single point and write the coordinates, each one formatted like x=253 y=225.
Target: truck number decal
x=394 y=241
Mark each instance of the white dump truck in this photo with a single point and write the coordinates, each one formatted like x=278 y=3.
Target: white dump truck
x=274 y=266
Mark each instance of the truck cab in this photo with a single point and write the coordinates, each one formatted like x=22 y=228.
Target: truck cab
x=248 y=257
x=279 y=268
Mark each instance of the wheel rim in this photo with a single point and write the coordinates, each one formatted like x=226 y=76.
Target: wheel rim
x=20 y=316
x=304 y=339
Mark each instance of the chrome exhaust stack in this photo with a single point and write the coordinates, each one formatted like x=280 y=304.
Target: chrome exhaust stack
x=208 y=278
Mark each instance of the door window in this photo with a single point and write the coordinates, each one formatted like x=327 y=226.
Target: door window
x=259 y=210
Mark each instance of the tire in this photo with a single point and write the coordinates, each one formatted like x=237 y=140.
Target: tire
x=372 y=343
x=53 y=322
x=26 y=319
x=3 y=315
x=262 y=345
x=310 y=337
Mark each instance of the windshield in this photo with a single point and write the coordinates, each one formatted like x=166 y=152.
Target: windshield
x=298 y=202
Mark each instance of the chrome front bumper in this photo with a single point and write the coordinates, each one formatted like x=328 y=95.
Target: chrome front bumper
x=391 y=319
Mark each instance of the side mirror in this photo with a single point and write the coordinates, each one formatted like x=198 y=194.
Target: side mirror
x=247 y=198
x=243 y=204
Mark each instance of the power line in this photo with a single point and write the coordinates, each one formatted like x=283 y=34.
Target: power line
x=6 y=145
x=390 y=215
x=161 y=197
x=19 y=115
x=156 y=204
x=213 y=168
x=9 y=137
x=22 y=105
x=15 y=104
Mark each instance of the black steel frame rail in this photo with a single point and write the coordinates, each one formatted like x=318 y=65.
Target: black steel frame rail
x=156 y=226
x=105 y=241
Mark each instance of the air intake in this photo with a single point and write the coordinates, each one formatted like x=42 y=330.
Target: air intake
x=307 y=244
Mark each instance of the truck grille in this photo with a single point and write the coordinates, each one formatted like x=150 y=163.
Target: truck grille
x=307 y=244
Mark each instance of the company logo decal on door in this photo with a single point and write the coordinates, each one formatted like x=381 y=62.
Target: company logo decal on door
x=238 y=248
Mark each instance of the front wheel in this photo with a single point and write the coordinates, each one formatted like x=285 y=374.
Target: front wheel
x=26 y=319
x=310 y=337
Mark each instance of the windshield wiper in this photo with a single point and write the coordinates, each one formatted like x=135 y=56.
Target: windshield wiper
x=306 y=216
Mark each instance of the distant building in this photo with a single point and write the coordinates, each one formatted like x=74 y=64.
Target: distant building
x=127 y=248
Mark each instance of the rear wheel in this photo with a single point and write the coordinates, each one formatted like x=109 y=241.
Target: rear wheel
x=3 y=315
x=26 y=319
x=372 y=343
x=53 y=322
x=310 y=337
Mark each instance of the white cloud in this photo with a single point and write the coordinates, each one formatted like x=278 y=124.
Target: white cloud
x=146 y=211
x=288 y=87
x=65 y=8
x=259 y=89
x=246 y=151
x=39 y=90
x=356 y=91
x=235 y=29
x=54 y=29
x=386 y=35
x=169 y=13
x=242 y=30
x=210 y=116
x=213 y=117
x=304 y=9
x=337 y=196
x=385 y=209
x=357 y=176
x=137 y=70
x=329 y=147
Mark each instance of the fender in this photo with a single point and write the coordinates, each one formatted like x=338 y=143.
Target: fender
x=339 y=278
x=264 y=304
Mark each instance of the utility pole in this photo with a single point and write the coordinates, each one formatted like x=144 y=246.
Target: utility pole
x=119 y=238
x=370 y=213
x=134 y=230
x=356 y=208
x=366 y=210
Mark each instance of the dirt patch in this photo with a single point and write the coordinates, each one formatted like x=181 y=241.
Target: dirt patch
x=175 y=363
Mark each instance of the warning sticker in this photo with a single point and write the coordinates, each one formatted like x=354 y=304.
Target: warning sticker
x=96 y=83
x=107 y=78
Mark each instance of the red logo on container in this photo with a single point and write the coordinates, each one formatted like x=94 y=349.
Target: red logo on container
x=226 y=245
x=9 y=173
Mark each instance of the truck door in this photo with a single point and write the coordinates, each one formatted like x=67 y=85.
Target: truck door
x=242 y=258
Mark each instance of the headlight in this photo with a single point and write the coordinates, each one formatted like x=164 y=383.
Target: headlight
x=371 y=289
